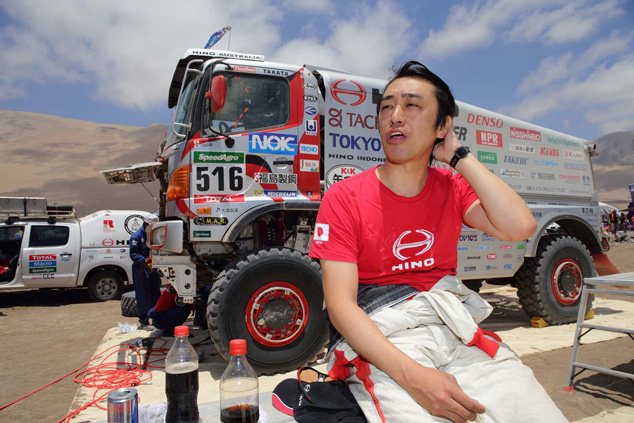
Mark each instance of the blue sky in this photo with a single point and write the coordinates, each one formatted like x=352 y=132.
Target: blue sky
x=566 y=65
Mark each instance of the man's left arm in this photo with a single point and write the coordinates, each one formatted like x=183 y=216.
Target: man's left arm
x=500 y=211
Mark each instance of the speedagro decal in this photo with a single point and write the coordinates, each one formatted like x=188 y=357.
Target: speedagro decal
x=203 y=157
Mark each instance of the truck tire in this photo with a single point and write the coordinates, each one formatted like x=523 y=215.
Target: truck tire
x=473 y=284
x=105 y=285
x=128 y=304
x=273 y=298
x=549 y=285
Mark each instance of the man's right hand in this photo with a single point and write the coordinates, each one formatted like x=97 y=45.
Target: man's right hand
x=439 y=393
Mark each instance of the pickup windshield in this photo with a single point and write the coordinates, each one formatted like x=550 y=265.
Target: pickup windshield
x=252 y=103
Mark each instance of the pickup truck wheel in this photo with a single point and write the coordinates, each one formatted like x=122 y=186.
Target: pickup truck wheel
x=549 y=285
x=128 y=304
x=105 y=286
x=273 y=298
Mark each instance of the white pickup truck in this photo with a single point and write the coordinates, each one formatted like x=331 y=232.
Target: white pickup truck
x=44 y=246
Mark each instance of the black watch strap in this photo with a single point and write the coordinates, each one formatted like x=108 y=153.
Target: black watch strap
x=460 y=153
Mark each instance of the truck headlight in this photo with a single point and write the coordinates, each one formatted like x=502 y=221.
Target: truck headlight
x=157 y=237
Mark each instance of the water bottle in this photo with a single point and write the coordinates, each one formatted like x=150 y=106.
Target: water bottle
x=239 y=396
x=181 y=380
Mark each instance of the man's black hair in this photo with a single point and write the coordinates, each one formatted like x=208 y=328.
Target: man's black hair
x=446 y=103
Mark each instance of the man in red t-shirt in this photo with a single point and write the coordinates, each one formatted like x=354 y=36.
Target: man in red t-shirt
x=399 y=224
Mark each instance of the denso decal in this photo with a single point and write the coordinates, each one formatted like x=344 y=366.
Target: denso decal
x=574 y=155
x=526 y=134
x=216 y=221
x=348 y=92
x=339 y=173
x=356 y=142
x=309 y=149
x=552 y=152
x=487 y=157
x=309 y=165
x=203 y=157
x=516 y=160
x=575 y=166
x=202 y=199
x=519 y=148
x=271 y=143
x=310 y=110
x=276 y=178
x=310 y=127
x=485 y=121
x=513 y=173
x=490 y=139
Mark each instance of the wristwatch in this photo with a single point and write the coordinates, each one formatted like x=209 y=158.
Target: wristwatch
x=460 y=153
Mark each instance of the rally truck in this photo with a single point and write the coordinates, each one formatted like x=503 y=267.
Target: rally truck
x=254 y=145
x=47 y=246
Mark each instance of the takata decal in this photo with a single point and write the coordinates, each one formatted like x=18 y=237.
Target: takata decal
x=133 y=223
x=271 y=143
x=348 y=92
x=339 y=173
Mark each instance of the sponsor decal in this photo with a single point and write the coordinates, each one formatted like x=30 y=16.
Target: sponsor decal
x=309 y=165
x=587 y=210
x=516 y=160
x=474 y=257
x=91 y=258
x=355 y=120
x=309 y=149
x=461 y=133
x=492 y=256
x=469 y=238
x=275 y=72
x=543 y=176
x=310 y=98
x=123 y=242
x=201 y=199
x=92 y=251
x=271 y=143
x=248 y=69
x=520 y=246
x=489 y=267
x=569 y=179
x=463 y=248
x=483 y=247
x=564 y=142
x=544 y=189
x=573 y=155
x=108 y=226
x=43 y=257
x=278 y=193
x=518 y=148
x=339 y=173
x=551 y=152
x=506 y=247
x=487 y=157
x=207 y=220
x=202 y=234
x=123 y=250
x=321 y=232
x=133 y=223
x=487 y=238
x=355 y=142
x=107 y=242
x=575 y=166
x=310 y=110
x=525 y=134
x=469 y=268
x=515 y=186
x=490 y=139
x=545 y=163
x=485 y=121
x=513 y=173
x=108 y=250
x=42 y=270
x=507 y=256
x=211 y=157
x=348 y=92
x=508 y=267
x=309 y=86
x=310 y=127
x=537 y=215
x=43 y=263
x=586 y=180
x=276 y=178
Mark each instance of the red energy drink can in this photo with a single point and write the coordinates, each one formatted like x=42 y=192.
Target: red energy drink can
x=123 y=406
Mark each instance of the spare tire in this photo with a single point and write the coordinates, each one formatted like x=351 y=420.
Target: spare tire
x=128 y=304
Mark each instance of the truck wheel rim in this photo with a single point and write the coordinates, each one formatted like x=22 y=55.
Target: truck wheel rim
x=566 y=281
x=277 y=314
x=106 y=287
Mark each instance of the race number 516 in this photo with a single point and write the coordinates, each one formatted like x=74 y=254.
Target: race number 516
x=219 y=179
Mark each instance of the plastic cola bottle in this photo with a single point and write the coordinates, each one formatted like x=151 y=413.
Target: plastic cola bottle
x=239 y=396
x=181 y=380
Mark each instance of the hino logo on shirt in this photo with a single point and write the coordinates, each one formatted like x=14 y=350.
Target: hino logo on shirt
x=421 y=241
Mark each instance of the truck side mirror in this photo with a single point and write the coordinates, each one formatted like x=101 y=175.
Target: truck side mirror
x=217 y=94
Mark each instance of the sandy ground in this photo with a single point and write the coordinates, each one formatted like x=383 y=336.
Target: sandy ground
x=47 y=334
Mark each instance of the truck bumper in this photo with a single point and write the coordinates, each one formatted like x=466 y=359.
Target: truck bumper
x=179 y=271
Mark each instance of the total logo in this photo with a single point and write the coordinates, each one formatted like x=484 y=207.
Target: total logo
x=348 y=92
x=271 y=143
x=417 y=243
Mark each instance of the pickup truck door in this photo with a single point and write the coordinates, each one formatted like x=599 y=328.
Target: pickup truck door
x=50 y=255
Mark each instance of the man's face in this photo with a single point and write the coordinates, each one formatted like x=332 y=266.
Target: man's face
x=407 y=118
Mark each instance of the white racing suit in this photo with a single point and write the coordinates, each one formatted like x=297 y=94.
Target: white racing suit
x=439 y=329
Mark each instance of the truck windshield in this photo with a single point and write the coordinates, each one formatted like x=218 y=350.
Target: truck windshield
x=252 y=103
x=182 y=113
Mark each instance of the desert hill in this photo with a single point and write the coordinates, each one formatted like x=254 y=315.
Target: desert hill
x=60 y=158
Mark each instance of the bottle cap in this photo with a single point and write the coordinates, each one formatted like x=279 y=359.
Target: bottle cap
x=238 y=347
x=181 y=331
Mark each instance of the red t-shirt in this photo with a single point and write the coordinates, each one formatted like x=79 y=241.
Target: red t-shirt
x=394 y=239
